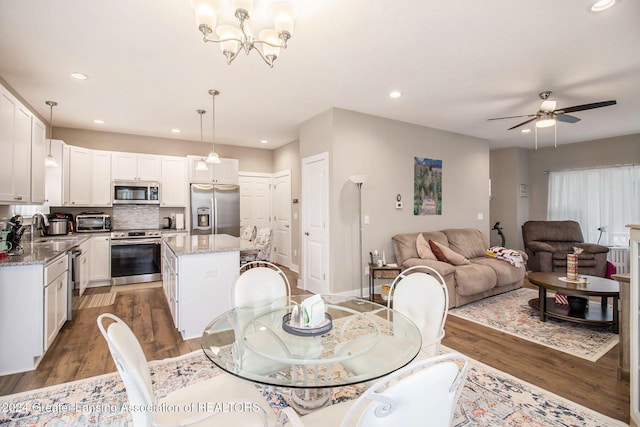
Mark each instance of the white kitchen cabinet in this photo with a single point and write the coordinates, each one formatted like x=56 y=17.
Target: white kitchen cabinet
x=55 y=298
x=66 y=159
x=53 y=177
x=79 y=176
x=38 y=154
x=100 y=259
x=132 y=166
x=84 y=269
x=173 y=186
x=15 y=146
x=225 y=172
x=21 y=317
x=170 y=281
x=100 y=178
x=198 y=287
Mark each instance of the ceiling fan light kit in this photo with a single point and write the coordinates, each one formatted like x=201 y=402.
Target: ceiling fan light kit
x=548 y=116
x=233 y=38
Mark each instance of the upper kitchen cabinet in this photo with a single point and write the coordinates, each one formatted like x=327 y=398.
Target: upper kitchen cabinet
x=173 y=187
x=136 y=167
x=38 y=142
x=225 y=172
x=100 y=178
x=79 y=176
x=53 y=187
x=15 y=146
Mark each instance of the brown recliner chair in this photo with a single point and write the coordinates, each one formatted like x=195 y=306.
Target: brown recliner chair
x=548 y=242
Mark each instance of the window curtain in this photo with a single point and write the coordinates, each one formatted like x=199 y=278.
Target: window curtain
x=605 y=198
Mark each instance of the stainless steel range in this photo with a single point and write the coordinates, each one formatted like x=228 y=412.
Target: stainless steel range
x=135 y=256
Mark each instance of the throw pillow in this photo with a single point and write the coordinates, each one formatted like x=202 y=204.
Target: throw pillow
x=445 y=254
x=423 y=248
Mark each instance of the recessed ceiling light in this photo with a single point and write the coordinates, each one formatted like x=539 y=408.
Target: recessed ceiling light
x=264 y=141
x=395 y=94
x=79 y=76
x=525 y=130
x=98 y=122
x=601 y=5
x=175 y=130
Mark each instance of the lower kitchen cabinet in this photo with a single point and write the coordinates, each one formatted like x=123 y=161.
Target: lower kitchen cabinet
x=55 y=298
x=21 y=318
x=198 y=287
x=100 y=259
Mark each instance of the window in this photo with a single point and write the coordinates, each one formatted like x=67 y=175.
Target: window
x=604 y=199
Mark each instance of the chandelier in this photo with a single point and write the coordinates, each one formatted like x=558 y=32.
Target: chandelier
x=233 y=38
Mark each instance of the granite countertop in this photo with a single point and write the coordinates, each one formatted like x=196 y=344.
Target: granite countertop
x=208 y=243
x=43 y=250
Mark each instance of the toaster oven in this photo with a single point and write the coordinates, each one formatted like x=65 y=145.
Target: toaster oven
x=92 y=223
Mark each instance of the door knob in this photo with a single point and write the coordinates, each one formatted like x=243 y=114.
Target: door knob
x=306 y=233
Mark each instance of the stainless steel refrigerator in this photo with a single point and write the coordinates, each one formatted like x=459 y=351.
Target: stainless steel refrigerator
x=215 y=209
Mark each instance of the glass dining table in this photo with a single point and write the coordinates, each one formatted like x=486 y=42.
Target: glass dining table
x=256 y=344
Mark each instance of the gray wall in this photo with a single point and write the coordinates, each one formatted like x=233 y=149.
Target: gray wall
x=509 y=169
x=384 y=150
x=288 y=157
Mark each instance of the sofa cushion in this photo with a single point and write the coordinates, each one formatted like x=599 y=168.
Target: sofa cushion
x=445 y=254
x=404 y=244
x=472 y=279
x=506 y=273
x=444 y=268
x=424 y=249
x=468 y=242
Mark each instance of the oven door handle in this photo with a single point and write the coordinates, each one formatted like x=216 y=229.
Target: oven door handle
x=130 y=242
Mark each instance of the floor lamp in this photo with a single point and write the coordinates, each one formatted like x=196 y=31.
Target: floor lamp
x=358 y=180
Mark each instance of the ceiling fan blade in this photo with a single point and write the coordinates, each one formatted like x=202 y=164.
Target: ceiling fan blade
x=513 y=117
x=523 y=123
x=585 y=107
x=567 y=118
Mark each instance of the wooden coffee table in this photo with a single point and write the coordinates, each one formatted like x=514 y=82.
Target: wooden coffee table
x=596 y=286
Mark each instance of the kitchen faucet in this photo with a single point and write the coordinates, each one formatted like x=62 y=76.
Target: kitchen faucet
x=38 y=221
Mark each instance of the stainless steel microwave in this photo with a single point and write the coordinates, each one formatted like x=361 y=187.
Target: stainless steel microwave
x=136 y=193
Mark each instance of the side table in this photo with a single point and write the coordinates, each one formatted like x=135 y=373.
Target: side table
x=384 y=272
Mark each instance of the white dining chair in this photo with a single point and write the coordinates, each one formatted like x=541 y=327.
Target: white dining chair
x=205 y=395
x=424 y=393
x=259 y=281
x=420 y=293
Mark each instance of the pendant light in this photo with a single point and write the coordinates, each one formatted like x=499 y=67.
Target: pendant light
x=201 y=165
x=213 y=156
x=50 y=161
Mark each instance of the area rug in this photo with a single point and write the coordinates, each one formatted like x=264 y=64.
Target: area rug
x=510 y=313
x=489 y=398
x=94 y=300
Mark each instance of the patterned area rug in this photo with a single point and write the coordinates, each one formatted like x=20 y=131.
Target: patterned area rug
x=490 y=398
x=510 y=313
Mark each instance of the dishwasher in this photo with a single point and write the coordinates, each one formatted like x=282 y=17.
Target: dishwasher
x=74 y=280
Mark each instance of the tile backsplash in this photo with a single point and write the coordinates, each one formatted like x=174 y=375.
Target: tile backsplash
x=129 y=217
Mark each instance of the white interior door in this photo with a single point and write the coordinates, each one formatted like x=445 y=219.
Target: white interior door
x=315 y=223
x=282 y=217
x=255 y=199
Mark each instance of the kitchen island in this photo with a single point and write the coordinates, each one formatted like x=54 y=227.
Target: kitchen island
x=198 y=272
x=33 y=301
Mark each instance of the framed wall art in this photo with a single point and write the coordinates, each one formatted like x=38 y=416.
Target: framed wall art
x=427 y=186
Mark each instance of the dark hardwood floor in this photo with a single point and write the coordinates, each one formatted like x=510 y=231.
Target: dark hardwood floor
x=79 y=352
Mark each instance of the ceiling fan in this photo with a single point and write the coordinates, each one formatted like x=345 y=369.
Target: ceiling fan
x=548 y=114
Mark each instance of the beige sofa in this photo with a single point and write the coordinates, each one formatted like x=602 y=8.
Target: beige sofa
x=483 y=277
